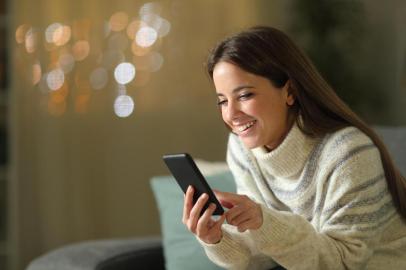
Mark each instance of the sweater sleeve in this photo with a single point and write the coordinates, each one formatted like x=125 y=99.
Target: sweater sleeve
x=354 y=207
x=233 y=250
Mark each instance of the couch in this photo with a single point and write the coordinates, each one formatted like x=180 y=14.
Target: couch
x=148 y=252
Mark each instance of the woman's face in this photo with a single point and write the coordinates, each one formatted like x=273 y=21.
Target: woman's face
x=251 y=106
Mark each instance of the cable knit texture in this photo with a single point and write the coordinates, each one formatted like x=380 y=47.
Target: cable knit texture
x=325 y=205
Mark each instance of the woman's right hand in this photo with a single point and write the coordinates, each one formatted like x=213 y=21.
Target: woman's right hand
x=204 y=227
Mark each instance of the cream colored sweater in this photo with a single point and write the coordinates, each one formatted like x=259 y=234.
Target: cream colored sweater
x=325 y=205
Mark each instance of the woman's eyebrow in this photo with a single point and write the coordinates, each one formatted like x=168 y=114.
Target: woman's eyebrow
x=237 y=89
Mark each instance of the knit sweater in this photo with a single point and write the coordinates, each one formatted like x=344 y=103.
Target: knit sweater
x=325 y=205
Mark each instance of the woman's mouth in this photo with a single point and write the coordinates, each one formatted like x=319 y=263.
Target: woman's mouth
x=240 y=129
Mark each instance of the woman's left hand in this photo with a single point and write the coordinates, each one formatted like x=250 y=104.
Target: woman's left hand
x=243 y=212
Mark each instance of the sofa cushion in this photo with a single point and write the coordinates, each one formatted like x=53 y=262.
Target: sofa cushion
x=395 y=140
x=181 y=248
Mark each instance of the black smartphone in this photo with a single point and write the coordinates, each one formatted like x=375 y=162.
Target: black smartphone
x=186 y=173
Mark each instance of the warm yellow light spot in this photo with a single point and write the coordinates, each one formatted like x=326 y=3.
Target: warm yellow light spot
x=80 y=50
x=118 y=21
x=56 y=107
x=31 y=40
x=20 y=33
x=62 y=35
x=60 y=95
x=36 y=73
x=138 y=50
x=82 y=103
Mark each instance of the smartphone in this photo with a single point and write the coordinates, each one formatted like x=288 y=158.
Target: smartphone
x=186 y=173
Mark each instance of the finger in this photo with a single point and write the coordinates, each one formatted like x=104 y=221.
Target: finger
x=203 y=223
x=187 y=204
x=220 y=222
x=243 y=217
x=195 y=212
x=234 y=212
x=228 y=196
x=245 y=226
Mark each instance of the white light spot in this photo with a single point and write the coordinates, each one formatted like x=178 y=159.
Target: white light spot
x=151 y=7
x=124 y=73
x=146 y=36
x=123 y=106
x=55 y=79
x=164 y=28
x=53 y=32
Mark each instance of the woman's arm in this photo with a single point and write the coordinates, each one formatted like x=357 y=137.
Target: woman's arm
x=354 y=206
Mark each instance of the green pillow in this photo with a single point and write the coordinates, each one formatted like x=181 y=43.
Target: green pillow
x=181 y=249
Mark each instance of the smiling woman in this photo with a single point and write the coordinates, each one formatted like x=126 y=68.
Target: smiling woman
x=249 y=103
x=316 y=187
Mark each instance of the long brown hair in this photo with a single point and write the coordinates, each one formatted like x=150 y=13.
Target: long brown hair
x=268 y=52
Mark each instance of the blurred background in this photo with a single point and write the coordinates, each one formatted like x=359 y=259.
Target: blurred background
x=92 y=93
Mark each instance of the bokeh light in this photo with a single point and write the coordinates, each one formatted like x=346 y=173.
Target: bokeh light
x=55 y=79
x=138 y=50
x=133 y=28
x=156 y=61
x=164 y=28
x=118 y=21
x=98 y=78
x=36 y=73
x=66 y=62
x=146 y=36
x=123 y=106
x=31 y=40
x=124 y=73
x=64 y=46
x=81 y=50
x=53 y=31
x=82 y=103
x=62 y=36
x=150 y=7
x=21 y=32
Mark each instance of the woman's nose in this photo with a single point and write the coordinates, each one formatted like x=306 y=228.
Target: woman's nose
x=232 y=111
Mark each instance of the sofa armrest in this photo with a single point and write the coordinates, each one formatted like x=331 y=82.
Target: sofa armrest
x=118 y=254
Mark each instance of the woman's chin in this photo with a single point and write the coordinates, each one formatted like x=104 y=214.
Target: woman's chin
x=250 y=143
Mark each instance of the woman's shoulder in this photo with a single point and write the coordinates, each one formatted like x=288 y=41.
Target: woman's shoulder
x=346 y=140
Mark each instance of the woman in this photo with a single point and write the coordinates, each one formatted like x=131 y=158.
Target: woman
x=316 y=187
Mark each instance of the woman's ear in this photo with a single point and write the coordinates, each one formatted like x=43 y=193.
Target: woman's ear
x=290 y=98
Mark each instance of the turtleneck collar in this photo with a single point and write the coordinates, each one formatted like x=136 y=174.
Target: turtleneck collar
x=289 y=157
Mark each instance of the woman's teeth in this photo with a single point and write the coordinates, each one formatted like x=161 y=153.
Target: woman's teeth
x=245 y=127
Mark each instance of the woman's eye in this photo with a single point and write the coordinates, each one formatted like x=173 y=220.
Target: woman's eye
x=245 y=96
x=221 y=102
